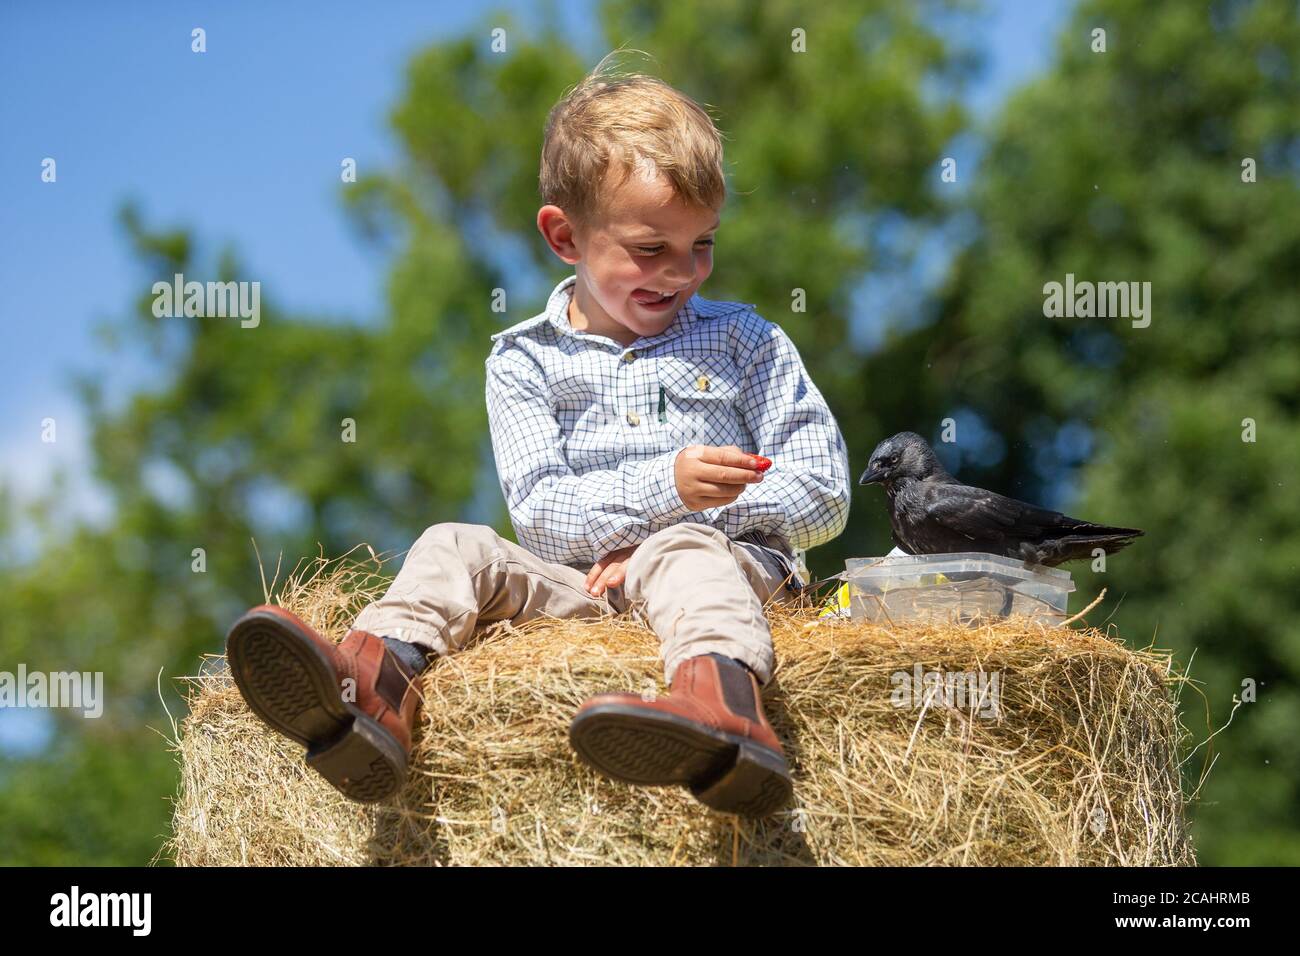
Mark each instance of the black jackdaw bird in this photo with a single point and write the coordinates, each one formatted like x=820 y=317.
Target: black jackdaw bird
x=931 y=512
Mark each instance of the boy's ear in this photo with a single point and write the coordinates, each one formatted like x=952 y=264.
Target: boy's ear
x=557 y=230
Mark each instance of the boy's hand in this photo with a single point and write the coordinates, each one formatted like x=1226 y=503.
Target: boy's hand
x=609 y=571
x=710 y=475
x=707 y=476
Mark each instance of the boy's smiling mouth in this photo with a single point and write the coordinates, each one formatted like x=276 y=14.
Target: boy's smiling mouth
x=653 y=299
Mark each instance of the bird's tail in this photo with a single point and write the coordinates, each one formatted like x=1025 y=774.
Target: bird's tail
x=1087 y=538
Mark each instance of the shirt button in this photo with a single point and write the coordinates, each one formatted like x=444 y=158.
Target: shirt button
x=633 y=418
x=629 y=357
x=702 y=383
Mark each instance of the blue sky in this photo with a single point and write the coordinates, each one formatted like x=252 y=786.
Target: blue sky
x=240 y=144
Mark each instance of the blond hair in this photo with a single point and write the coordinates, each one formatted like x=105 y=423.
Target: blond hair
x=628 y=120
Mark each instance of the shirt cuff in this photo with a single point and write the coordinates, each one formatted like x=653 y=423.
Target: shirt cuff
x=663 y=500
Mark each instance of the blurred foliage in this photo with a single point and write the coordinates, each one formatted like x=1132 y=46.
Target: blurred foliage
x=1130 y=163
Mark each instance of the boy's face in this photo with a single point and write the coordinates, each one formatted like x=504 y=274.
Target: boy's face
x=644 y=240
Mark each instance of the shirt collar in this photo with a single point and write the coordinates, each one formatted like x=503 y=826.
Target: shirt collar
x=557 y=311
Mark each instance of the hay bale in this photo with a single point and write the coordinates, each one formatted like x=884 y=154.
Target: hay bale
x=1079 y=766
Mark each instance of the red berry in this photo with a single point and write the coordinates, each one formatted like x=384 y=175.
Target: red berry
x=762 y=464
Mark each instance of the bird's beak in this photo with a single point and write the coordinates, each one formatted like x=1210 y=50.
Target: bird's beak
x=871 y=476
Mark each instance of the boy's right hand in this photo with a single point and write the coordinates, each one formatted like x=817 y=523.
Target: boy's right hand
x=709 y=476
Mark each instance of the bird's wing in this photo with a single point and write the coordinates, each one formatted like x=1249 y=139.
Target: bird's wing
x=979 y=514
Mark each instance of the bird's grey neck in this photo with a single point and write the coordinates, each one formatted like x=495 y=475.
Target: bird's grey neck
x=905 y=483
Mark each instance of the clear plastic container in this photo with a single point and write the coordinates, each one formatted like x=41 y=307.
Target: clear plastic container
x=955 y=588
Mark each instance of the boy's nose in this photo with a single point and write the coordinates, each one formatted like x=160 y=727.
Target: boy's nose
x=683 y=271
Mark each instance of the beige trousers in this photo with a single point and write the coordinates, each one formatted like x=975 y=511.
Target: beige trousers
x=698 y=590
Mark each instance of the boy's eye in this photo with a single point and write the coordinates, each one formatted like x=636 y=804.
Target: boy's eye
x=655 y=250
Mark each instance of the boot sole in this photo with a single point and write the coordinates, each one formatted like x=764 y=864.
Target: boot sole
x=289 y=683
x=725 y=772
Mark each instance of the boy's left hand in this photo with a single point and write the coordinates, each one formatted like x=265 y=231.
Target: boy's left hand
x=609 y=571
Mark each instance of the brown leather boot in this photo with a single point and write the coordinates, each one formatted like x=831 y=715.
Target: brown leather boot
x=352 y=704
x=709 y=734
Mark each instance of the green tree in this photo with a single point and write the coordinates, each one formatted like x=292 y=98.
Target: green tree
x=1128 y=165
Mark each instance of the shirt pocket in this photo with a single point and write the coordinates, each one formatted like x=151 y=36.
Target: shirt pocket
x=700 y=395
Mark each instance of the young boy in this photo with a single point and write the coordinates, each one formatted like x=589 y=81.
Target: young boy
x=620 y=417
